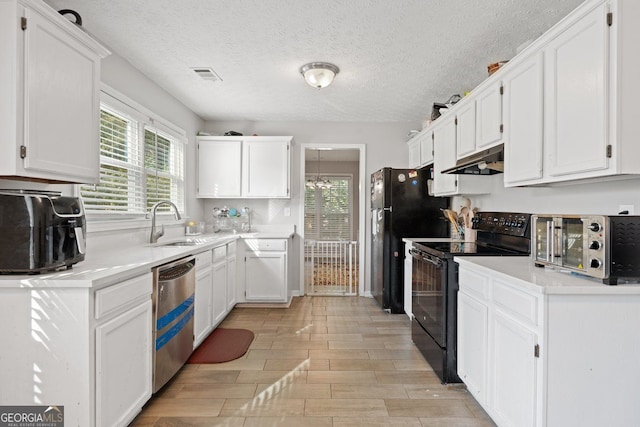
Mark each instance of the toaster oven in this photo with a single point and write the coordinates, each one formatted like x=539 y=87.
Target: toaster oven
x=604 y=247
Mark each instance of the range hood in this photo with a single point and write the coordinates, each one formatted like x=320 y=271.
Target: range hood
x=485 y=162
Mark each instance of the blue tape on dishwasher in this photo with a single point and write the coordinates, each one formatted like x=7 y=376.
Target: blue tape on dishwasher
x=175 y=329
x=175 y=313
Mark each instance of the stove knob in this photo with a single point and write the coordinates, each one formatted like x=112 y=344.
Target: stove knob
x=594 y=226
x=595 y=245
x=595 y=263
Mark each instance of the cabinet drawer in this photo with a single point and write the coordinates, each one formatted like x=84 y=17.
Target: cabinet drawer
x=267 y=244
x=111 y=299
x=219 y=253
x=474 y=284
x=519 y=304
x=203 y=260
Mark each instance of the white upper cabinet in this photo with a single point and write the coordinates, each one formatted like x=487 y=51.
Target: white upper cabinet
x=244 y=167
x=466 y=128
x=489 y=116
x=576 y=103
x=414 y=152
x=523 y=122
x=266 y=169
x=219 y=168
x=426 y=149
x=571 y=99
x=444 y=148
x=421 y=149
x=49 y=110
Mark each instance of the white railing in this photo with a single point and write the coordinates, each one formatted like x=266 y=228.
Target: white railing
x=331 y=267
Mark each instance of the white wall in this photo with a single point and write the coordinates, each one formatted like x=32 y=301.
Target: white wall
x=385 y=146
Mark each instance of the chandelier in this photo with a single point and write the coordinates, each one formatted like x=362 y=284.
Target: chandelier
x=318 y=182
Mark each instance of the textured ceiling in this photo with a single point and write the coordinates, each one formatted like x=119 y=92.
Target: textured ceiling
x=396 y=57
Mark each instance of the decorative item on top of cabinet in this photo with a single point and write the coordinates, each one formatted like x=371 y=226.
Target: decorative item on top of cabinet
x=48 y=132
x=244 y=166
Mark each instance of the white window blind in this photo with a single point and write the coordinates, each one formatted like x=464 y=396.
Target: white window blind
x=139 y=165
x=328 y=211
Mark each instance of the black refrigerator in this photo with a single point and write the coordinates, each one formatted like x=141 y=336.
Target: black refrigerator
x=400 y=207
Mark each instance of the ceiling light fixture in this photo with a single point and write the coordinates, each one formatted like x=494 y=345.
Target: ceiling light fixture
x=319 y=74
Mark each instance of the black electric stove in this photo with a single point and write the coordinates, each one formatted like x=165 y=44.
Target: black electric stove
x=434 y=282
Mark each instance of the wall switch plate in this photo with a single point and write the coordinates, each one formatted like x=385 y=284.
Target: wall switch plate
x=287 y=211
x=628 y=208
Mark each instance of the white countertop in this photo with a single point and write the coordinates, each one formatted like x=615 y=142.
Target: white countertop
x=522 y=272
x=102 y=268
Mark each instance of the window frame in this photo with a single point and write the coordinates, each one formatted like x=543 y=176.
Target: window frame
x=115 y=102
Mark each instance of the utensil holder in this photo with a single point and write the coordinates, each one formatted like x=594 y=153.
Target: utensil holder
x=470 y=234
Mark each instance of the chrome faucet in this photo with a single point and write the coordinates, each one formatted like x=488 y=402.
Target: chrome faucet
x=155 y=235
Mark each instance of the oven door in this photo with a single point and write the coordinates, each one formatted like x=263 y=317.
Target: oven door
x=429 y=296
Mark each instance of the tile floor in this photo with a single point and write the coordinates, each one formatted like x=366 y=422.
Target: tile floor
x=325 y=361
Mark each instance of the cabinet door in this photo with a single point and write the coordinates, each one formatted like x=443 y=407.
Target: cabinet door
x=61 y=104
x=514 y=372
x=466 y=129
x=231 y=283
x=426 y=149
x=203 y=314
x=473 y=336
x=576 y=97
x=123 y=365
x=219 y=168
x=265 y=169
x=523 y=98
x=489 y=116
x=219 y=295
x=414 y=153
x=265 y=275
x=444 y=157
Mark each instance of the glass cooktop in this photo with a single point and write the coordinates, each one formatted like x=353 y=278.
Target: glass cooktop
x=448 y=248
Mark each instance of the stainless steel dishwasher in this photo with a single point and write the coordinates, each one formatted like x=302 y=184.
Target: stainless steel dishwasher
x=173 y=293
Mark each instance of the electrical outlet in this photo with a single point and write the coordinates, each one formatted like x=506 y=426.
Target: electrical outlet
x=628 y=208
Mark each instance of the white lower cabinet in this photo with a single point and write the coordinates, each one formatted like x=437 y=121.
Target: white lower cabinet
x=514 y=373
x=536 y=355
x=219 y=291
x=123 y=365
x=266 y=270
x=231 y=282
x=216 y=290
x=203 y=311
x=497 y=347
x=473 y=335
x=123 y=350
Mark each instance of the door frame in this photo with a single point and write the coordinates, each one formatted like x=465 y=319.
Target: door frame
x=363 y=193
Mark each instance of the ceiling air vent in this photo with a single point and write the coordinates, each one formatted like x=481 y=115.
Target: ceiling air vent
x=207 y=74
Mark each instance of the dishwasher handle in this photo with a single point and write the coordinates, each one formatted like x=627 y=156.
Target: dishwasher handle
x=176 y=270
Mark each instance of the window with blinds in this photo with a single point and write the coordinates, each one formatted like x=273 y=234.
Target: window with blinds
x=139 y=165
x=328 y=211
